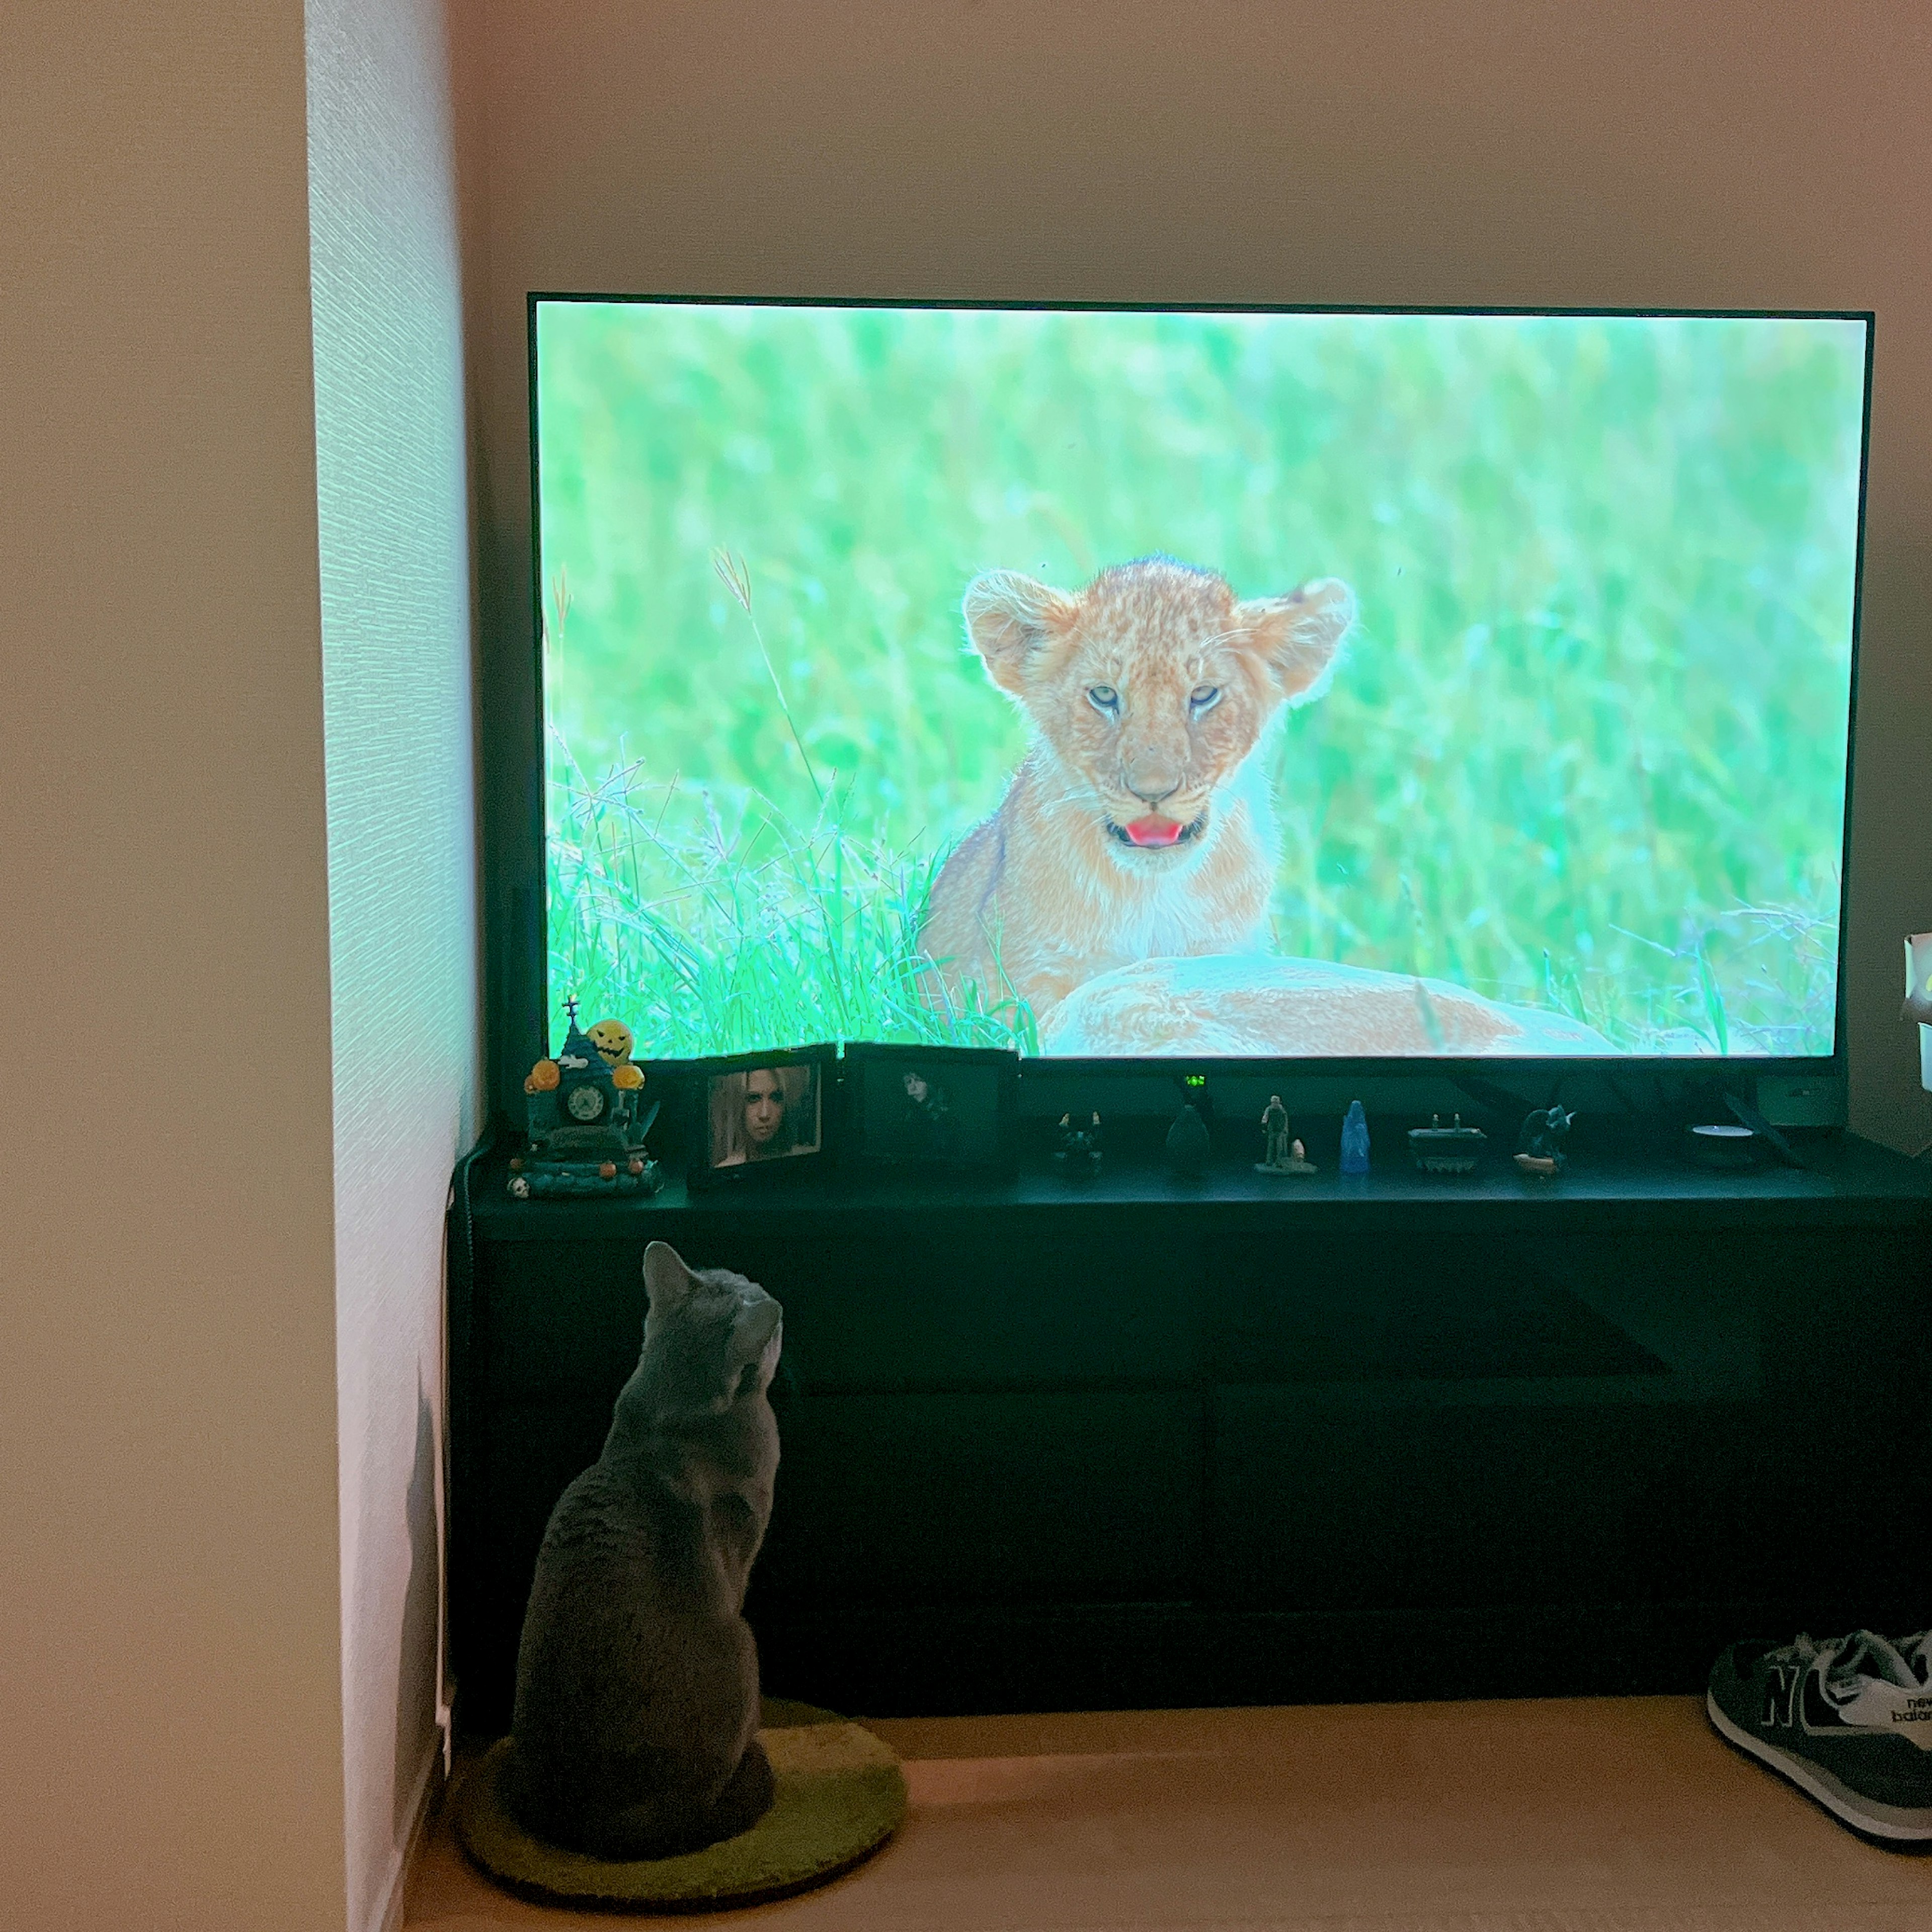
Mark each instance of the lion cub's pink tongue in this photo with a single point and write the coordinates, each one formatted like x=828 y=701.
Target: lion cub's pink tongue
x=1154 y=831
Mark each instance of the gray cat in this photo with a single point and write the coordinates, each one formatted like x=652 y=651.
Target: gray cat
x=636 y=1722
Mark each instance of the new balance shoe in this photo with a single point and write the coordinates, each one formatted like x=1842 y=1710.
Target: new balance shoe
x=1849 y=1722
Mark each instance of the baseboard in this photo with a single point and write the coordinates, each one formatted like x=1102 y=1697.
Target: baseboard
x=880 y=1661
x=387 y=1914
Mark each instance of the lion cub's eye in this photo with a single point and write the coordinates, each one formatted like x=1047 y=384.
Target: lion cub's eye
x=1204 y=697
x=1104 y=697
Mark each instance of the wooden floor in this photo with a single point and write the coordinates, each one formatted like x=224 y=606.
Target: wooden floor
x=1590 y=1815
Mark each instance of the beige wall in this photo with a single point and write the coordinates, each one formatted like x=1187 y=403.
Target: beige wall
x=394 y=534
x=238 y=880
x=1693 y=154
x=170 y=1679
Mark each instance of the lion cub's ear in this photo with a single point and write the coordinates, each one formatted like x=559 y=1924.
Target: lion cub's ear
x=1299 y=634
x=1011 y=620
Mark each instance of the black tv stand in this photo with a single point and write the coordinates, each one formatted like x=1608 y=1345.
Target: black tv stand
x=1139 y=1442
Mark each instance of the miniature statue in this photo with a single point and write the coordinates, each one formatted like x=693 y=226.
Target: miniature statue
x=1539 y=1147
x=586 y=1119
x=1450 y=1150
x=1187 y=1144
x=1281 y=1155
x=1079 y=1149
x=1355 y=1140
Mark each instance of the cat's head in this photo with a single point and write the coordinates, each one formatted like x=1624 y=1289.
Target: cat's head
x=711 y=1338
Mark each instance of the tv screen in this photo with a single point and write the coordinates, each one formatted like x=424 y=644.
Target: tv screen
x=1133 y=684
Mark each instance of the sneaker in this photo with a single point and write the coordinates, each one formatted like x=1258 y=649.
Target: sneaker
x=1849 y=1722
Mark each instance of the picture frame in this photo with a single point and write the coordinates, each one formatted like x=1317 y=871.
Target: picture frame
x=754 y=1118
x=930 y=1109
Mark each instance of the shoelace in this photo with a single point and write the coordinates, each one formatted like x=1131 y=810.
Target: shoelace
x=1801 y=1650
x=1843 y=1663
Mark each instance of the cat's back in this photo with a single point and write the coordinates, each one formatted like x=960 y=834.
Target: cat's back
x=600 y=1519
x=597 y=1591
x=612 y=1537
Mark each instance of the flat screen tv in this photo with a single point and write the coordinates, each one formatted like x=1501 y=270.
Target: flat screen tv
x=1190 y=685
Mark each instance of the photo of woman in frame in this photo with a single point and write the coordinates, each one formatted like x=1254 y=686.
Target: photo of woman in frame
x=920 y=1124
x=762 y=1113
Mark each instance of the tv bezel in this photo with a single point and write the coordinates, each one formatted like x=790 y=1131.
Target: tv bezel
x=1710 y=1070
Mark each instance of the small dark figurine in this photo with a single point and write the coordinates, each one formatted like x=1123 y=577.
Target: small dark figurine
x=1187 y=1144
x=1079 y=1149
x=1454 y=1149
x=1280 y=1153
x=586 y=1118
x=1539 y=1147
x=635 y=1734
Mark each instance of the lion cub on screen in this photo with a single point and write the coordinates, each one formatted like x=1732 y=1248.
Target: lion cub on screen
x=1138 y=825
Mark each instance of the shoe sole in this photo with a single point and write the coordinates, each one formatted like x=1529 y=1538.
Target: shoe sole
x=1891 y=1824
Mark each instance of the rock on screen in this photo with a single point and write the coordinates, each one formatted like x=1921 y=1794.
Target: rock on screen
x=1130 y=683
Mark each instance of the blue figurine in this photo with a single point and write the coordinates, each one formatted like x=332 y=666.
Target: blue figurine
x=1355 y=1140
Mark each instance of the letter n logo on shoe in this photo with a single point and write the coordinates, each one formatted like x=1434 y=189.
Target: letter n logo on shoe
x=1780 y=1694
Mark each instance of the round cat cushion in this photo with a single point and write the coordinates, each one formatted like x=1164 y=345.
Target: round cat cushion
x=840 y=1795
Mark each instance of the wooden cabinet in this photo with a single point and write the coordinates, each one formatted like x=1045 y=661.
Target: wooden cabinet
x=1134 y=1444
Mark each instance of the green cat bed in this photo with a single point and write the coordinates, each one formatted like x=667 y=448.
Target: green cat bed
x=840 y=1795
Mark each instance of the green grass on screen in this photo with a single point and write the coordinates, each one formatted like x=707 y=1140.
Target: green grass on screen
x=1586 y=751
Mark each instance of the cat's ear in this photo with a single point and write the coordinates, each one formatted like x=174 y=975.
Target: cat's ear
x=751 y=1353
x=751 y=1332
x=667 y=1280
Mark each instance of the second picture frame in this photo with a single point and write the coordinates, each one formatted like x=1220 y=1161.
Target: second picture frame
x=929 y=1109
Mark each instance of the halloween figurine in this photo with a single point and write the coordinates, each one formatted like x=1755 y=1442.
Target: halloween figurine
x=587 y=1119
x=613 y=1041
x=1280 y=1154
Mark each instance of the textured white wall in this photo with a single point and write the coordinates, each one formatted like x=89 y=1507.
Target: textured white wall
x=235 y=778
x=170 y=1652
x=1623 y=152
x=392 y=488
